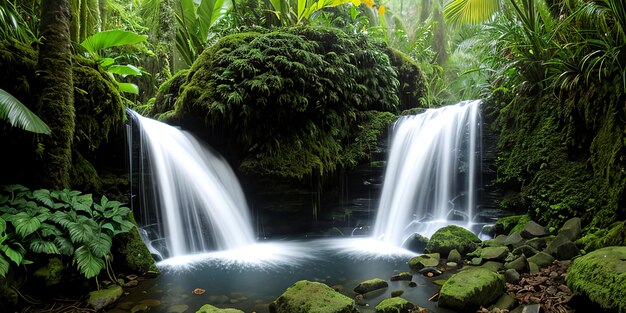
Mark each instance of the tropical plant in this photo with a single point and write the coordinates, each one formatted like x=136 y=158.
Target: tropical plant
x=18 y=115
x=195 y=23
x=96 y=44
x=65 y=223
x=13 y=23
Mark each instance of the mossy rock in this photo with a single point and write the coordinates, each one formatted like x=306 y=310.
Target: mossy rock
x=425 y=260
x=394 y=305
x=131 y=252
x=601 y=276
x=101 y=299
x=292 y=103
x=452 y=237
x=597 y=238
x=469 y=289
x=312 y=297
x=207 y=308
x=371 y=285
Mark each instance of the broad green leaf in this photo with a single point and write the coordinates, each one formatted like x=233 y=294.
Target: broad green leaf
x=64 y=245
x=188 y=16
x=470 y=11
x=106 y=62
x=17 y=114
x=4 y=266
x=3 y=225
x=209 y=12
x=26 y=224
x=124 y=70
x=301 y=9
x=12 y=254
x=43 y=195
x=88 y=264
x=128 y=87
x=80 y=232
x=108 y=226
x=49 y=230
x=110 y=38
x=44 y=246
x=100 y=245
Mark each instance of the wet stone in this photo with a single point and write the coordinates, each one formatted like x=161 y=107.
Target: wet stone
x=140 y=308
x=397 y=293
x=178 y=308
x=511 y=276
x=533 y=230
x=150 y=302
x=402 y=276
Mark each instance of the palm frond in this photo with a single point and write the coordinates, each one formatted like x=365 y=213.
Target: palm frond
x=469 y=11
x=18 y=115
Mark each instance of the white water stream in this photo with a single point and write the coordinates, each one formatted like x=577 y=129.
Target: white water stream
x=432 y=173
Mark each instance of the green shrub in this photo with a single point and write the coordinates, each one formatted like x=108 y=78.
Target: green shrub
x=65 y=223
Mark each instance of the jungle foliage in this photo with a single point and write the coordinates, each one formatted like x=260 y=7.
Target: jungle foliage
x=558 y=106
x=293 y=100
x=41 y=223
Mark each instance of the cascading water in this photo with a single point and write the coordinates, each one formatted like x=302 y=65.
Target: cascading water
x=432 y=173
x=198 y=203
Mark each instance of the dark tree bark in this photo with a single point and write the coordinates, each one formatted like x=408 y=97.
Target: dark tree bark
x=56 y=96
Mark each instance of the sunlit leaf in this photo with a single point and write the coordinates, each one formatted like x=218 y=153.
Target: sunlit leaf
x=110 y=38
x=470 y=11
x=124 y=70
x=88 y=264
x=128 y=87
x=18 y=115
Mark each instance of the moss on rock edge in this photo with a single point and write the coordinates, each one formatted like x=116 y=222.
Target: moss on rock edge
x=601 y=276
x=312 y=297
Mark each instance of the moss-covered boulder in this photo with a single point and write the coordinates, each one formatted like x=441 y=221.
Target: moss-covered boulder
x=207 y=308
x=101 y=299
x=416 y=243
x=452 y=237
x=371 y=285
x=52 y=272
x=312 y=297
x=425 y=260
x=402 y=276
x=131 y=252
x=293 y=102
x=469 y=289
x=601 y=276
x=571 y=229
x=394 y=305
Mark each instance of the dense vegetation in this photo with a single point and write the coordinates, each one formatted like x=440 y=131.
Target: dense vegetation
x=299 y=89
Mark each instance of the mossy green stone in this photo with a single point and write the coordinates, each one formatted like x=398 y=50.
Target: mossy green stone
x=312 y=297
x=452 y=237
x=469 y=289
x=100 y=299
x=425 y=260
x=394 y=305
x=131 y=252
x=505 y=225
x=371 y=285
x=601 y=276
x=207 y=308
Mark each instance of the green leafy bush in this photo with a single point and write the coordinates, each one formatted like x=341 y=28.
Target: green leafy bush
x=63 y=222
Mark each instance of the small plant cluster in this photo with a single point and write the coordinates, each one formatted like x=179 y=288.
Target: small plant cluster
x=64 y=222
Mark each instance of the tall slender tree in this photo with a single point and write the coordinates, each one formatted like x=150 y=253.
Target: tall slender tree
x=56 y=96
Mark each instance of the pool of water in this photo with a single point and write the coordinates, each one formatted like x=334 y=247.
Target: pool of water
x=252 y=277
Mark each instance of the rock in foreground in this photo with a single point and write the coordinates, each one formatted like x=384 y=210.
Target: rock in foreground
x=469 y=289
x=312 y=297
x=601 y=276
x=207 y=308
x=371 y=285
x=394 y=305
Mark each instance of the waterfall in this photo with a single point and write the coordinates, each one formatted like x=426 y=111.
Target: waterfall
x=432 y=173
x=188 y=193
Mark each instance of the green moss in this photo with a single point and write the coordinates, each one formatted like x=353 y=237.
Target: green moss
x=601 y=276
x=297 y=102
x=167 y=95
x=371 y=285
x=394 y=305
x=452 y=237
x=471 y=288
x=52 y=273
x=207 y=308
x=312 y=297
x=412 y=88
x=561 y=158
x=505 y=225
x=596 y=238
x=131 y=253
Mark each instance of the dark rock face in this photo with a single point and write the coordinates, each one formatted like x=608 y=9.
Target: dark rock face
x=571 y=229
x=533 y=230
x=562 y=248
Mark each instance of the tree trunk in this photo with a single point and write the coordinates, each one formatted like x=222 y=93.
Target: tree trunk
x=56 y=96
